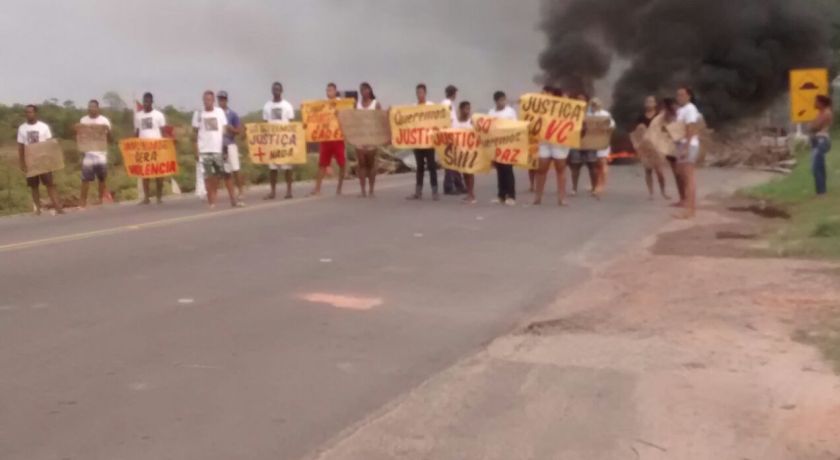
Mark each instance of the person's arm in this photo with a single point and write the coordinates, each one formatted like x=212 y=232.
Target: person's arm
x=195 y=133
x=110 y=137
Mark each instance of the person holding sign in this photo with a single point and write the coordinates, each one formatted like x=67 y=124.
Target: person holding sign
x=651 y=111
x=278 y=110
x=548 y=154
x=603 y=154
x=504 y=172
x=425 y=157
x=209 y=126
x=464 y=121
x=328 y=151
x=231 y=150
x=688 y=148
x=95 y=163
x=34 y=131
x=821 y=142
x=366 y=157
x=148 y=124
x=580 y=157
x=453 y=183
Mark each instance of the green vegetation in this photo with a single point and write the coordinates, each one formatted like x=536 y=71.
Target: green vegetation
x=15 y=197
x=814 y=229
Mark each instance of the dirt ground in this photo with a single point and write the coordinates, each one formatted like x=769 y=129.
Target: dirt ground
x=685 y=349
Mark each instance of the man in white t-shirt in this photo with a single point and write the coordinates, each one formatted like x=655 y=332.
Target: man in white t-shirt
x=31 y=132
x=425 y=158
x=453 y=181
x=209 y=126
x=95 y=164
x=688 y=149
x=278 y=110
x=464 y=121
x=504 y=173
x=148 y=124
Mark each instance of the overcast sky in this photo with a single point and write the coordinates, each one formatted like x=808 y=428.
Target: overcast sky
x=79 y=49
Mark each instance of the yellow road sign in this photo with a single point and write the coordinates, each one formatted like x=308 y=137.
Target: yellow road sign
x=805 y=86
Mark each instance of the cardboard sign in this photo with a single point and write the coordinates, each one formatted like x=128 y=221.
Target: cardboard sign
x=503 y=141
x=415 y=126
x=365 y=128
x=657 y=139
x=805 y=86
x=149 y=158
x=647 y=153
x=43 y=157
x=459 y=150
x=276 y=143
x=321 y=121
x=555 y=120
x=597 y=133
x=92 y=138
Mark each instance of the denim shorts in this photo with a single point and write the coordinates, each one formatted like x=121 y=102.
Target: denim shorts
x=687 y=153
x=820 y=144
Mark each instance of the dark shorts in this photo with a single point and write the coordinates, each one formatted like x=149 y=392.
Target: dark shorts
x=330 y=150
x=34 y=181
x=577 y=157
x=92 y=172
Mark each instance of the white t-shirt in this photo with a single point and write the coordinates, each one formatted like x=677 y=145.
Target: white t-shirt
x=100 y=120
x=211 y=129
x=451 y=104
x=688 y=114
x=372 y=105
x=278 y=112
x=462 y=124
x=507 y=113
x=149 y=124
x=34 y=133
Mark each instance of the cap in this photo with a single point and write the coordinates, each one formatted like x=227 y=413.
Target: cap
x=222 y=94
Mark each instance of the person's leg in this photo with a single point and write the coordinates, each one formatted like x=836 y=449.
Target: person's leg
x=102 y=176
x=420 y=159
x=649 y=182
x=319 y=178
x=660 y=176
x=592 y=168
x=145 y=191
x=542 y=172
x=362 y=170
x=510 y=182
x=532 y=176
x=690 y=189
x=229 y=185
x=47 y=180
x=83 y=194
x=602 y=169
x=289 y=173
x=341 y=159
x=500 y=183
x=575 y=171
x=371 y=172
x=469 y=188
x=560 y=167
x=448 y=183
x=34 y=183
x=459 y=181
x=675 y=169
x=211 y=184
x=159 y=190
x=431 y=163
x=818 y=166
x=272 y=183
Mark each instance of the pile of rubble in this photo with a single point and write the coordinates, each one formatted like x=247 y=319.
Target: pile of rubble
x=751 y=144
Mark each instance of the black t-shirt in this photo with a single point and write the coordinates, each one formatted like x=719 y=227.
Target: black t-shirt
x=644 y=120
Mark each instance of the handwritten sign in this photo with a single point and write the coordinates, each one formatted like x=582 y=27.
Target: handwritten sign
x=555 y=120
x=321 y=121
x=149 y=158
x=597 y=133
x=415 y=126
x=459 y=150
x=648 y=155
x=365 y=128
x=276 y=143
x=504 y=141
x=43 y=157
x=92 y=138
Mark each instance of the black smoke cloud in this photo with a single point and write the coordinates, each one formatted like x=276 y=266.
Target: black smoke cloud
x=735 y=54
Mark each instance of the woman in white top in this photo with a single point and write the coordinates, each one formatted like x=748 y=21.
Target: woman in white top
x=688 y=149
x=603 y=155
x=366 y=157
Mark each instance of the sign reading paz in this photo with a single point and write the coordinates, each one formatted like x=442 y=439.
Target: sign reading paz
x=149 y=158
x=805 y=86
x=459 y=150
x=555 y=120
x=276 y=143
x=365 y=128
x=415 y=126
x=503 y=141
x=597 y=133
x=43 y=157
x=92 y=138
x=321 y=121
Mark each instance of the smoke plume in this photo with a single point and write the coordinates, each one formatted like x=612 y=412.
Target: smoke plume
x=735 y=54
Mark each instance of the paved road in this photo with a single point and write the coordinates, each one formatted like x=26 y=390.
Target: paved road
x=176 y=333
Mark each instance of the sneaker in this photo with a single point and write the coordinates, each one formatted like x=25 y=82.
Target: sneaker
x=510 y=202
x=496 y=201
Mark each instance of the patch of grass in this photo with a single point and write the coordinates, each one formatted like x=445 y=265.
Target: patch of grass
x=814 y=229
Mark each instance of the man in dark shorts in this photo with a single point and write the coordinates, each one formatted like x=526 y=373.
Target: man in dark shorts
x=34 y=131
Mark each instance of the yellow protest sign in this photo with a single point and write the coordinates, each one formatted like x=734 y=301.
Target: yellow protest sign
x=321 y=121
x=149 y=158
x=415 y=126
x=805 y=86
x=276 y=143
x=555 y=120
x=459 y=150
x=503 y=141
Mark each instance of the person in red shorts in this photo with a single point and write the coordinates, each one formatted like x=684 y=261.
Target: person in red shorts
x=329 y=151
